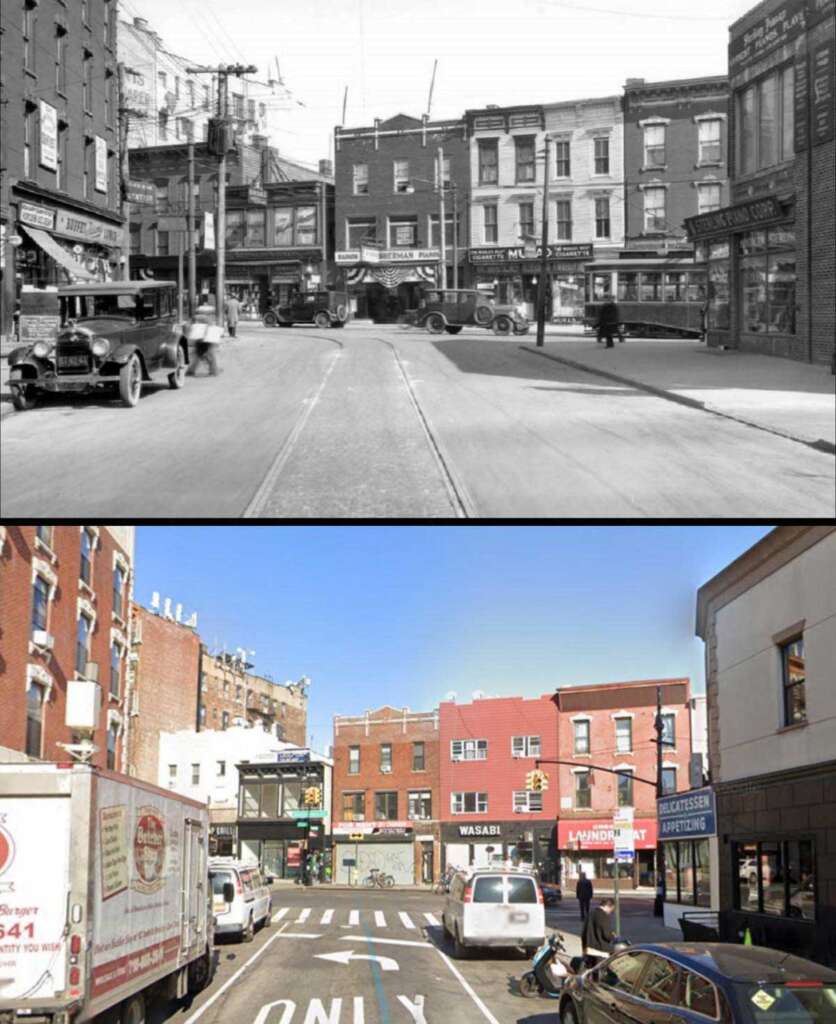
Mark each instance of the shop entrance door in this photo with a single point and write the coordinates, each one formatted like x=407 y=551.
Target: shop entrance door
x=272 y=857
x=426 y=863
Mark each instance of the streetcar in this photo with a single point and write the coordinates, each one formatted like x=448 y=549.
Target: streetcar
x=660 y=297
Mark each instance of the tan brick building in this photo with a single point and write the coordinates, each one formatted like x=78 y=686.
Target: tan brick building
x=65 y=609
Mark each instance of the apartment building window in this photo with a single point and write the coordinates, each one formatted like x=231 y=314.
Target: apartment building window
x=60 y=58
x=359 y=231
x=418 y=764
x=581 y=730
x=112 y=736
x=220 y=769
x=488 y=161
x=420 y=805
x=35 y=697
x=386 y=805
x=563 y=208
x=162 y=242
x=525 y=801
x=119 y=591
x=28 y=32
x=525 y=746
x=489 y=222
x=526 y=219
x=251 y=110
x=655 y=218
x=224 y=719
x=353 y=760
x=172 y=774
x=238 y=106
x=765 y=120
x=583 y=790
x=354 y=806
x=708 y=141
x=107 y=29
x=400 y=176
x=115 y=670
x=195 y=774
x=654 y=145
x=524 y=151
x=623 y=735
x=602 y=155
x=625 y=787
x=562 y=161
x=386 y=757
x=668 y=780
x=668 y=730
x=61 y=156
x=190 y=93
x=162 y=124
x=468 y=803
x=402 y=233
x=238 y=692
x=602 y=217
x=468 y=750
x=794 y=677
x=86 y=71
x=205 y=97
x=82 y=644
x=361 y=179
x=108 y=96
x=29 y=160
x=435 y=239
x=201 y=714
x=40 y=603
x=445 y=172
x=708 y=197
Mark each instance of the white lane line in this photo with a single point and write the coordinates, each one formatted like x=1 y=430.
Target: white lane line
x=302 y=935
x=379 y=919
x=431 y=918
x=280 y=914
x=306 y=913
x=326 y=917
x=354 y=917
x=487 y=1013
x=235 y=977
x=388 y=942
x=407 y=920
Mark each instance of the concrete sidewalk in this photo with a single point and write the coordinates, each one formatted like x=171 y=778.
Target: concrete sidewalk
x=794 y=400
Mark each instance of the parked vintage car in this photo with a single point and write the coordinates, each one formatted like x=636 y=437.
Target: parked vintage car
x=325 y=309
x=115 y=335
x=450 y=309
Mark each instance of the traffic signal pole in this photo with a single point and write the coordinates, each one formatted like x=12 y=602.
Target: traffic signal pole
x=659 y=902
x=544 y=258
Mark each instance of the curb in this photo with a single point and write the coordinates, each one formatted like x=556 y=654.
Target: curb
x=820 y=445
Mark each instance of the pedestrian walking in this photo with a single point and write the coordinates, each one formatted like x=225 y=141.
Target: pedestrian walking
x=608 y=324
x=233 y=309
x=584 y=893
x=204 y=349
x=597 y=934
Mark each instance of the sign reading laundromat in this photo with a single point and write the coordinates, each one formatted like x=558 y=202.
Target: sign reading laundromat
x=690 y=815
x=49 y=136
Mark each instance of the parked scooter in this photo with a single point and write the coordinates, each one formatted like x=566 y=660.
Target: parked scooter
x=550 y=966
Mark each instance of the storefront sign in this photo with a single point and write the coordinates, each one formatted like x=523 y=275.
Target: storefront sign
x=598 y=835
x=822 y=98
x=690 y=815
x=49 y=136
x=480 y=830
x=292 y=756
x=504 y=254
x=771 y=31
x=801 y=138
x=36 y=216
x=347 y=256
x=86 y=229
x=344 y=828
x=734 y=217
x=140 y=193
x=401 y=255
x=101 y=164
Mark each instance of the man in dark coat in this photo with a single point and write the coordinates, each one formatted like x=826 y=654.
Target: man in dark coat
x=608 y=324
x=583 y=890
x=597 y=930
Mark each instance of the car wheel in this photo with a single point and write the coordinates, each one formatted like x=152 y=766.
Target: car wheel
x=528 y=985
x=269 y=319
x=435 y=323
x=482 y=315
x=178 y=378
x=249 y=932
x=502 y=325
x=342 y=314
x=24 y=397
x=445 y=928
x=130 y=381
x=322 y=320
x=568 y=1013
x=459 y=950
x=453 y=330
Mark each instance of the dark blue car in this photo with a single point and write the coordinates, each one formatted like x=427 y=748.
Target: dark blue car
x=694 y=983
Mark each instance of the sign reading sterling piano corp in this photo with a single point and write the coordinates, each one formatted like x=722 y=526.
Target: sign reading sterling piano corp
x=734 y=217
x=691 y=815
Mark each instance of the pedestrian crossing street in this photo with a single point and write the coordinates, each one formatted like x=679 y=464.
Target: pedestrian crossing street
x=319 y=918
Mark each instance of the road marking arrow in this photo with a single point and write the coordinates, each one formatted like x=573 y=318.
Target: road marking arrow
x=347 y=955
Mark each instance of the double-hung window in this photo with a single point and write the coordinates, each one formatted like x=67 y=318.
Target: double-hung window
x=625 y=787
x=490 y=223
x=40 y=603
x=386 y=806
x=708 y=196
x=469 y=803
x=562 y=159
x=655 y=218
x=623 y=735
x=400 y=173
x=361 y=179
x=526 y=220
x=602 y=155
x=420 y=805
x=488 y=161
x=583 y=792
x=526 y=800
x=794 y=677
x=654 y=145
x=668 y=730
x=85 y=568
x=602 y=217
x=418 y=763
x=386 y=757
x=563 y=209
x=581 y=730
x=525 y=746
x=115 y=669
x=119 y=591
x=468 y=750
x=524 y=145
x=353 y=760
x=82 y=644
x=708 y=141
x=668 y=780
x=354 y=806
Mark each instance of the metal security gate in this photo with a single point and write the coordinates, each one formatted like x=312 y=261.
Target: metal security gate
x=396 y=859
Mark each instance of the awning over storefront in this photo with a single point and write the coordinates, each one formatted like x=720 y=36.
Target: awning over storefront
x=390 y=276
x=58 y=253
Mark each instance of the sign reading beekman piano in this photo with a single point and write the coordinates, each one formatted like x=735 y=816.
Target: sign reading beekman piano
x=691 y=815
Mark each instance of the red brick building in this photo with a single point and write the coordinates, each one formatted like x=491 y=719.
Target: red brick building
x=386 y=795
x=612 y=726
x=65 y=609
x=486 y=750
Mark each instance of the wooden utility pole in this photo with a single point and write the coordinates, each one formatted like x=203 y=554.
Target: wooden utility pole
x=192 y=304
x=455 y=236
x=124 y=112
x=323 y=187
x=541 y=287
x=442 y=275
x=659 y=902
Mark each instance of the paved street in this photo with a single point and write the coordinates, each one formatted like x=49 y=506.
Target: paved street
x=379 y=422
x=365 y=957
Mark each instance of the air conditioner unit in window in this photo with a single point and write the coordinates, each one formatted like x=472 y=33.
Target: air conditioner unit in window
x=40 y=638
x=386 y=769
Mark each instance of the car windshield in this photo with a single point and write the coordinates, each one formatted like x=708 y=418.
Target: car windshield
x=219 y=879
x=805 y=1003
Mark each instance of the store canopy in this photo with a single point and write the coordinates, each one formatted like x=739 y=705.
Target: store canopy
x=59 y=254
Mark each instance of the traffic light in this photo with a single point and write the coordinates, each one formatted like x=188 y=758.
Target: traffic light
x=312 y=796
x=536 y=781
x=529 y=780
x=544 y=781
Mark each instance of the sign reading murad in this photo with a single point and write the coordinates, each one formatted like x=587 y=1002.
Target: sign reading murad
x=113 y=855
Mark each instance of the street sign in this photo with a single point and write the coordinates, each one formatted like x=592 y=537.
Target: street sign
x=313 y=813
x=691 y=815
x=622 y=833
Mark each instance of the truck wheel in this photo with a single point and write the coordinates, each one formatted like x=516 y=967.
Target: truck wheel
x=502 y=325
x=435 y=323
x=23 y=397
x=178 y=378
x=130 y=381
x=322 y=320
x=269 y=319
x=134 y=1012
x=248 y=933
x=200 y=972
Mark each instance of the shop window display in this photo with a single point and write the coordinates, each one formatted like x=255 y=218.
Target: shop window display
x=716 y=256
x=767 y=276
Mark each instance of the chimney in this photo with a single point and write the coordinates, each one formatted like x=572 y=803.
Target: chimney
x=167 y=608
x=178 y=612
x=141 y=24
x=326 y=168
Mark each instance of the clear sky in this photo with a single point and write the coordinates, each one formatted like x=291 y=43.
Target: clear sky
x=489 y=51
x=403 y=615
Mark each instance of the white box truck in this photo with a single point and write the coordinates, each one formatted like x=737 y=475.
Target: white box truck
x=104 y=896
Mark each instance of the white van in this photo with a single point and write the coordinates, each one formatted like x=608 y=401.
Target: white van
x=240 y=898
x=494 y=907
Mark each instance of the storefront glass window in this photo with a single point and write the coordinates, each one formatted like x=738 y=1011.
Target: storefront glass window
x=255 y=227
x=747 y=875
x=702 y=873
x=772 y=875
x=234 y=228
x=718 y=294
x=671 y=872
x=767 y=271
x=283 y=225
x=802 y=894
x=291 y=794
x=628 y=286
x=269 y=799
x=753 y=283
x=249 y=799
x=780 y=276
x=305 y=225
x=785 y=870
x=686 y=872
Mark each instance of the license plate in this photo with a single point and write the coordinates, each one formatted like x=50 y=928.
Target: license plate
x=71 y=361
x=519 y=918
x=218 y=906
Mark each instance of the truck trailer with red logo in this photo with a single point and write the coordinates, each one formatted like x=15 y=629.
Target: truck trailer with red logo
x=104 y=895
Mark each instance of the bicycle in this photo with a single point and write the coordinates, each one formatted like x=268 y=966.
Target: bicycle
x=378 y=878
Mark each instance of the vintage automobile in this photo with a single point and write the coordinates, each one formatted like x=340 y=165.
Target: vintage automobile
x=114 y=335
x=325 y=309
x=450 y=309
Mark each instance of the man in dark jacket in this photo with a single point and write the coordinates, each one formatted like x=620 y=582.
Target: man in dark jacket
x=583 y=890
x=608 y=321
x=597 y=930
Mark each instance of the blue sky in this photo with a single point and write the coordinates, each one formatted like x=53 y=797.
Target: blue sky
x=403 y=615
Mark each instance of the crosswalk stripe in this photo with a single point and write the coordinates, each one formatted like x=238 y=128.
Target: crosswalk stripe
x=379 y=919
x=305 y=914
x=354 y=917
x=431 y=918
x=280 y=914
x=407 y=920
x=326 y=917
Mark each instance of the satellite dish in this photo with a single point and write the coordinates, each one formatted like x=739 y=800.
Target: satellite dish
x=450 y=695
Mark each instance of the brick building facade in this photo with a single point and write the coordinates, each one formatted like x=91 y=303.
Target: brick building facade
x=65 y=608
x=386 y=800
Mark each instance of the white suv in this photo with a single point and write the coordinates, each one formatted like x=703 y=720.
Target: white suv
x=240 y=897
x=494 y=907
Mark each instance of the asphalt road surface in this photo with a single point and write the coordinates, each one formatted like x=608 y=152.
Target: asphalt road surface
x=379 y=422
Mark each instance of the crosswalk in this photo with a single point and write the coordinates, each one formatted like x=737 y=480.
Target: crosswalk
x=355 y=918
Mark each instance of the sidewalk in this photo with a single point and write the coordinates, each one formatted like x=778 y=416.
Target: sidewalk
x=794 y=400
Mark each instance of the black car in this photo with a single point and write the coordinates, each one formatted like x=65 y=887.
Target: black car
x=323 y=308
x=691 y=983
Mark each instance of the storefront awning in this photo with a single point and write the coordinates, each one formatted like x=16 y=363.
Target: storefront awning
x=58 y=253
